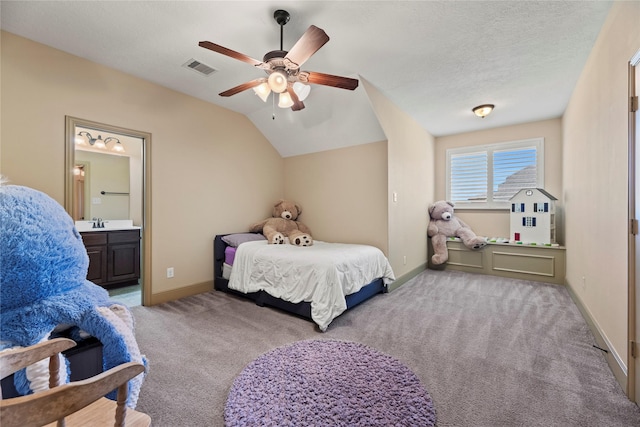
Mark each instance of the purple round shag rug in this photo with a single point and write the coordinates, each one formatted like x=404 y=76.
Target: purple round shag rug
x=327 y=383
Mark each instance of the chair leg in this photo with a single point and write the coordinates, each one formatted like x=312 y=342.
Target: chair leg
x=121 y=408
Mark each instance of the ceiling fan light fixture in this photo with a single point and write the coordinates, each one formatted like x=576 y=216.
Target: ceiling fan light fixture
x=263 y=91
x=284 y=100
x=278 y=81
x=302 y=90
x=283 y=67
x=483 y=110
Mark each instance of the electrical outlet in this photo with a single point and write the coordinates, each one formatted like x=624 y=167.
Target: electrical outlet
x=584 y=283
x=169 y=272
x=404 y=260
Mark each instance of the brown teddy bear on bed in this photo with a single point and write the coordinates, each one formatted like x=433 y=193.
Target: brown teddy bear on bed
x=283 y=224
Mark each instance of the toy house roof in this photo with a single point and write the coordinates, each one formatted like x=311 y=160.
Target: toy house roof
x=538 y=189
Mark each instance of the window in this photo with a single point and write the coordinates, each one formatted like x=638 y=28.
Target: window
x=487 y=176
x=517 y=207
x=541 y=207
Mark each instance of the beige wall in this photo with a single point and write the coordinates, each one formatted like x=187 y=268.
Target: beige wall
x=410 y=177
x=495 y=223
x=342 y=193
x=211 y=168
x=595 y=177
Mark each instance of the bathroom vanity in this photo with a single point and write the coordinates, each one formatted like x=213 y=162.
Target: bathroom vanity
x=114 y=254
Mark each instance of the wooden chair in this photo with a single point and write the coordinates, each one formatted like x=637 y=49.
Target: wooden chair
x=79 y=403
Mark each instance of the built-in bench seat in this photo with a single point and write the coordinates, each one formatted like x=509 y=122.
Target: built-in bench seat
x=527 y=262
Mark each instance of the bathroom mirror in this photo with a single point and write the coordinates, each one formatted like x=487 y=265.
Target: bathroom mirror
x=104 y=185
x=113 y=185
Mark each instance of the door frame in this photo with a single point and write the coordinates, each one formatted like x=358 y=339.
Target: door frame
x=633 y=303
x=145 y=137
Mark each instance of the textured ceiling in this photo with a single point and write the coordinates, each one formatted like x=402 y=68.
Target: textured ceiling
x=435 y=60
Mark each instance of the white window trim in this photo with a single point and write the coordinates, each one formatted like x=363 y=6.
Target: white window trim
x=538 y=143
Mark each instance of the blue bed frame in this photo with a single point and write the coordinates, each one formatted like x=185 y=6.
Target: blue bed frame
x=262 y=298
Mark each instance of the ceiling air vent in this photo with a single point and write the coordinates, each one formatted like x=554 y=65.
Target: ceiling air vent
x=199 y=67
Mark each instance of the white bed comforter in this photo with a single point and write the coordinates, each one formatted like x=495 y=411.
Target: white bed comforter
x=321 y=274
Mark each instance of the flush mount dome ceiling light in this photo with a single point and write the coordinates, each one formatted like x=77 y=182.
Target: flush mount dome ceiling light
x=483 y=110
x=283 y=68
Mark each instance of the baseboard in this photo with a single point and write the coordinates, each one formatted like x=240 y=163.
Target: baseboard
x=616 y=364
x=407 y=276
x=186 y=291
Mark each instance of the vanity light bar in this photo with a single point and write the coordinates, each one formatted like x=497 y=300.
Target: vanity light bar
x=99 y=142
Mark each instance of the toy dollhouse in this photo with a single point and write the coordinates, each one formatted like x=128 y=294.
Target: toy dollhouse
x=533 y=217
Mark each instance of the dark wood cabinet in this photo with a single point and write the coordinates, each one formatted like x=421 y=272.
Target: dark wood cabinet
x=96 y=245
x=114 y=257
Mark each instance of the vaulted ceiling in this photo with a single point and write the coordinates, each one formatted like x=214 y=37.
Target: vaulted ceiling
x=435 y=60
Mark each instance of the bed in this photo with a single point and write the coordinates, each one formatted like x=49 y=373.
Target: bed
x=317 y=283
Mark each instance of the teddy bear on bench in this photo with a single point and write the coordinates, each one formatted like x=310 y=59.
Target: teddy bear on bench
x=443 y=224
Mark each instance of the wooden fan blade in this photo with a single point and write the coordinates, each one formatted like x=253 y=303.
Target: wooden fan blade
x=312 y=40
x=242 y=87
x=231 y=53
x=330 y=80
x=297 y=104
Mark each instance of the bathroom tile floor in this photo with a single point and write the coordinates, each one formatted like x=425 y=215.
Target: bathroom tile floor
x=130 y=296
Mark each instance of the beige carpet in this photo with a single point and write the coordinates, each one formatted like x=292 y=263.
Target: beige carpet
x=490 y=351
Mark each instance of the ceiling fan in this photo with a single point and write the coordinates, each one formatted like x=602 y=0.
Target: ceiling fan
x=283 y=68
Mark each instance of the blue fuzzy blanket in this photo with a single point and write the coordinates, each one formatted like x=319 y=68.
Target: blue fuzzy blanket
x=43 y=285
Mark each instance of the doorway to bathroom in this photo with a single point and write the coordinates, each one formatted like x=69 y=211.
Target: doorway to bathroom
x=107 y=192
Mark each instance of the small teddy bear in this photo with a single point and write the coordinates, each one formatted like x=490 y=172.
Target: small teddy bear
x=443 y=224
x=283 y=225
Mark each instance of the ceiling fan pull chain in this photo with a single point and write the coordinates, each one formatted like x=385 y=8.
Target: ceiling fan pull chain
x=273 y=107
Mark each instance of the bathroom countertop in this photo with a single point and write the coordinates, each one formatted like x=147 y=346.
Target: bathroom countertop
x=109 y=225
